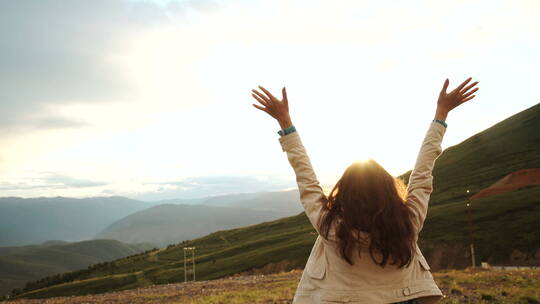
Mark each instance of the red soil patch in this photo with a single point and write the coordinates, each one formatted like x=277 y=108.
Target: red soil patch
x=511 y=182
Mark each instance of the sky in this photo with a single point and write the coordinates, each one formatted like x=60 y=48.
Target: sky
x=152 y=99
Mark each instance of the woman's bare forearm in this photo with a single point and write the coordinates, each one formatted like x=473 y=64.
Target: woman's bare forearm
x=285 y=122
x=441 y=114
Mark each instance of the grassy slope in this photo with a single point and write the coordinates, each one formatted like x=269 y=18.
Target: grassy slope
x=21 y=264
x=233 y=251
x=502 y=223
x=488 y=156
x=458 y=286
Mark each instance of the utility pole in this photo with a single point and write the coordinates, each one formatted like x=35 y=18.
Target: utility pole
x=185 y=269
x=469 y=212
x=187 y=249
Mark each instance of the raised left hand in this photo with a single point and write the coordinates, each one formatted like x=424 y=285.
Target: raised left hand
x=279 y=109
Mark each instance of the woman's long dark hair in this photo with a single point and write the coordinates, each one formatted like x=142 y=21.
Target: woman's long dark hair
x=368 y=199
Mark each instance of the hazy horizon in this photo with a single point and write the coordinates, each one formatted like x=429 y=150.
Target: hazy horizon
x=203 y=195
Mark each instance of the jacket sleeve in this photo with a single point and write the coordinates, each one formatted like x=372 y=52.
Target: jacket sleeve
x=311 y=193
x=421 y=180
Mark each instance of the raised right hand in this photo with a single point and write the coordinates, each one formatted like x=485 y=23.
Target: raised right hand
x=448 y=101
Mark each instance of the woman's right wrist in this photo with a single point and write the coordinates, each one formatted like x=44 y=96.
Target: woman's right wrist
x=441 y=114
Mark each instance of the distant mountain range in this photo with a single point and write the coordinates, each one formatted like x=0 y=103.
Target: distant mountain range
x=19 y=265
x=168 y=223
x=285 y=202
x=36 y=220
x=280 y=201
x=506 y=229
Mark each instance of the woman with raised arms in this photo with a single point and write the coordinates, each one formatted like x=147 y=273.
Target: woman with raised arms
x=366 y=250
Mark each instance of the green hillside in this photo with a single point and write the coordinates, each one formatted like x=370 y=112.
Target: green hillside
x=488 y=156
x=19 y=265
x=503 y=225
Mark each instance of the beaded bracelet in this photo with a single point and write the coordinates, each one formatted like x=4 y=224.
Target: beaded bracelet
x=441 y=122
x=286 y=131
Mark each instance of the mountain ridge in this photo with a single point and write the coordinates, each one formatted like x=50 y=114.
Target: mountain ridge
x=172 y=223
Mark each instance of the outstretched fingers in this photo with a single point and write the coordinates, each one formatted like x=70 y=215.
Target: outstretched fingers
x=270 y=96
x=465 y=92
x=468 y=87
x=260 y=95
x=468 y=98
x=261 y=108
x=469 y=93
x=260 y=100
x=463 y=84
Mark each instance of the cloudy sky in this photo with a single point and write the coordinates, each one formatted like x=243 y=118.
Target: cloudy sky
x=151 y=99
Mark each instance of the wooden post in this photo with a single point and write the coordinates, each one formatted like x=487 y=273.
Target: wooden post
x=472 y=254
x=469 y=212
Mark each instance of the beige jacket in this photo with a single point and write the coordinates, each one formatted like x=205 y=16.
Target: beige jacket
x=327 y=278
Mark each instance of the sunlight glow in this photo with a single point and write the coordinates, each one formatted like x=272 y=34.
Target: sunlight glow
x=364 y=159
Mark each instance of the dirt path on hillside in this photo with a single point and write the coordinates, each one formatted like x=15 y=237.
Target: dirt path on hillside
x=513 y=181
x=153 y=256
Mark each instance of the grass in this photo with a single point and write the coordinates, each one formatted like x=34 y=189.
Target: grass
x=480 y=286
x=458 y=286
x=501 y=224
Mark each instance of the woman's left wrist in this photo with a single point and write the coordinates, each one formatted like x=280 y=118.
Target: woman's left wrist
x=285 y=122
